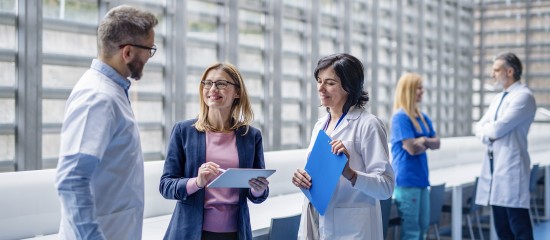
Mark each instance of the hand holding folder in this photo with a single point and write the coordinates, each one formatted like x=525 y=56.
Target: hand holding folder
x=324 y=168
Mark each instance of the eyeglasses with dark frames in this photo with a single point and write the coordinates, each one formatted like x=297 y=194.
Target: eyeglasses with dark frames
x=220 y=84
x=152 y=50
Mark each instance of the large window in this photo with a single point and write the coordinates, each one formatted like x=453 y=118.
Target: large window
x=276 y=45
x=7 y=84
x=520 y=27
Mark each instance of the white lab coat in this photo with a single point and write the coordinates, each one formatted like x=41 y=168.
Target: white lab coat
x=508 y=186
x=354 y=212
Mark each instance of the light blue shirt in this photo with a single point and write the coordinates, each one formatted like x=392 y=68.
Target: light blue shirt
x=100 y=176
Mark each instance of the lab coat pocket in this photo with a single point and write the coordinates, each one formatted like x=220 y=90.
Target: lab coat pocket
x=506 y=168
x=118 y=224
x=352 y=223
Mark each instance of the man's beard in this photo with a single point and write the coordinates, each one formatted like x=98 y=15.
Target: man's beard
x=136 y=69
x=498 y=84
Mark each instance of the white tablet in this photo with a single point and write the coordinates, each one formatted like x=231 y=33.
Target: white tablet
x=238 y=177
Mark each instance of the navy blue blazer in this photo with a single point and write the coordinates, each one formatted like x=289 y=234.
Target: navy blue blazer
x=186 y=152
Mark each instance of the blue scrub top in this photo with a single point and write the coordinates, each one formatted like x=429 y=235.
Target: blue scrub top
x=410 y=171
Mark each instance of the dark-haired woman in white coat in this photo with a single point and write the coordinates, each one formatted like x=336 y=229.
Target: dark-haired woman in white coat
x=353 y=212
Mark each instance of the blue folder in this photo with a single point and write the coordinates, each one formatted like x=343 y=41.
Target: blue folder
x=325 y=169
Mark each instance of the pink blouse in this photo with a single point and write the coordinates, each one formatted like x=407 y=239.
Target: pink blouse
x=221 y=207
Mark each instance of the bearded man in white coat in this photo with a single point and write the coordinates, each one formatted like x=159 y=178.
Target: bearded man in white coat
x=504 y=178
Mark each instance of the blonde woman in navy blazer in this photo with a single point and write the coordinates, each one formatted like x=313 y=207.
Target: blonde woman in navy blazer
x=225 y=109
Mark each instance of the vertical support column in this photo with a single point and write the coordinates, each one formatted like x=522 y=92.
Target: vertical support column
x=420 y=37
x=315 y=38
x=456 y=48
x=233 y=33
x=305 y=81
x=277 y=76
x=399 y=39
x=375 y=68
x=347 y=26
x=28 y=117
x=456 y=213
x=102 y=8
x=481 y=58
x=527 y=61
x=439 y=70
x=176 y=72
x=221 y=29
x=470 y=92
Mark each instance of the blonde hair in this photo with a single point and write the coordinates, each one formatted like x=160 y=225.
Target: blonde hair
x=241 y=110
x=405 y=98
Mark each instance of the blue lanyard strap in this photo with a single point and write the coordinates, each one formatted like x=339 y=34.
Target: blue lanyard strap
x=337 y=123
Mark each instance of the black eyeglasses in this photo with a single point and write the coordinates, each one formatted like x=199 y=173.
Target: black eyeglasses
x=220 y=84
x=152 y=50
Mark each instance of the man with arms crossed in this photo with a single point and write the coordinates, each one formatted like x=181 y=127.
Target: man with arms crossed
x=504 y=178
x=100 y=178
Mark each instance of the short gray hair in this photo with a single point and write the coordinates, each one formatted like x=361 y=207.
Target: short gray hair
x=122 y=25
x=512 y=61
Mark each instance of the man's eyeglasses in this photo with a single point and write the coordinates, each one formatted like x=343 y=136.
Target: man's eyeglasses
x=152 y=50
x=220 y=84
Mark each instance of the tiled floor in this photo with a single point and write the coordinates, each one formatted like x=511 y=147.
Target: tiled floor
x=542 y=230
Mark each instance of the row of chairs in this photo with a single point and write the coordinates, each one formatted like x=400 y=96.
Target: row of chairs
x=471 y=211
x=437 y=193
x=287 y=227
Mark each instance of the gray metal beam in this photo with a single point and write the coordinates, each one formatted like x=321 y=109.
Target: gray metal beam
x=520 y=46
x=456 y=65
x=374 y=62
x=470 y=74
x=7 y=55
x=420 y=36
x=69 y=26
x=481 y=55
x=526 y=61
x=7 y=18
x=6 y=128
x=66 y=60
x=276 y=75
x=175 y=106
x=28 y=116
x=7 y=92
x=271 y=82
x=315 y=13
x=439 y=71
x=347 y=25
x=399 y=39
x=233 y=33
x=513 y=31
x=222 y=26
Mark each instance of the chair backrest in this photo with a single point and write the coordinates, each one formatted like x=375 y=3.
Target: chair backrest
x=533 y=178
x=284 y=228
x=437 y=192
x=471 y=201
x=385 y=208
